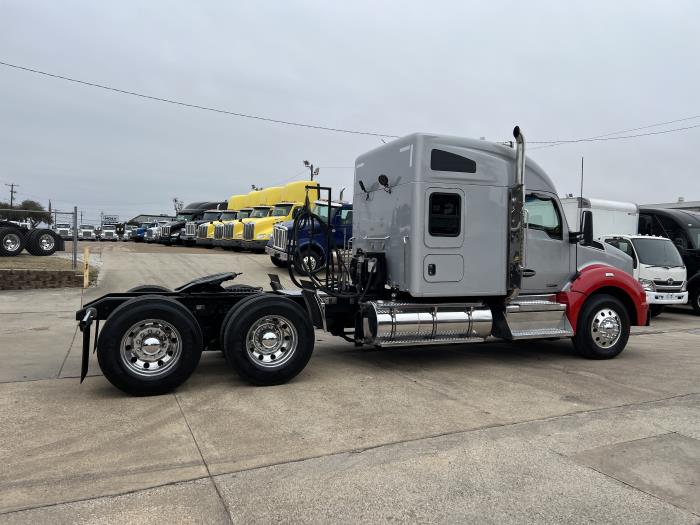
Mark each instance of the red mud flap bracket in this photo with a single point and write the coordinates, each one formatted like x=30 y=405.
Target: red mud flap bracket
x=85 y=323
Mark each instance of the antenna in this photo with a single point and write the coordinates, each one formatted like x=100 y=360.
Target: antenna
x=580 y=207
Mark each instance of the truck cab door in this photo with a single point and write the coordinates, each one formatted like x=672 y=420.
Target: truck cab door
x=342 y=227
x=547 y=249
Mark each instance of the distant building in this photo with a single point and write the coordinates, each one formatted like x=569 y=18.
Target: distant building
x=680 y=204
x=140 y=219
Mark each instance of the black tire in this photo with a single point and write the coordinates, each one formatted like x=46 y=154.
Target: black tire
x=290 y=330
x=12 y=241
x=694 y=298
x=42 y=242
x=656 y=309
x=233 y=312
x=278 y=262
x=126 y=318
x=597 y=344
x=154 y=288
x=312 y=257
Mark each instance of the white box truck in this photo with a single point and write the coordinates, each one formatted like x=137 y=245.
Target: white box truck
x=657 y=265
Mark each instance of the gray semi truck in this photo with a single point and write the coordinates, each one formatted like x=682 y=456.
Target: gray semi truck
x=456 y=241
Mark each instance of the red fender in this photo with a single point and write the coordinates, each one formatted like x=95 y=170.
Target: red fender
x=597 y=277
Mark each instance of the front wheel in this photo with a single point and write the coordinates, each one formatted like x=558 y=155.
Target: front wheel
x=269 y=340
x=149 y=346
x=308 y=261
x=695 y=299
x=278 y=262
x=603 y=328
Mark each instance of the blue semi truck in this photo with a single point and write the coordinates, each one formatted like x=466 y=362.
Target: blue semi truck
x=311 y=248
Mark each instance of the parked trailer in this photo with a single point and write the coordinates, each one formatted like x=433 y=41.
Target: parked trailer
x=39 y=241
x=421 y=274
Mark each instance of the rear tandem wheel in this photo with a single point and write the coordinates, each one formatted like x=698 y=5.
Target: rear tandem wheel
x=149 y=345
x=267 y=339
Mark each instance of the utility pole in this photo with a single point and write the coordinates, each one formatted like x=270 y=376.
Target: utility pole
x=12 y=192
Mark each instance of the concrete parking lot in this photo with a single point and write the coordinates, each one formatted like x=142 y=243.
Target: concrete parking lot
x=489 y=433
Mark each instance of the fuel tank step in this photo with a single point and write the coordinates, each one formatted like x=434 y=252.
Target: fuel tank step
x=534 y=317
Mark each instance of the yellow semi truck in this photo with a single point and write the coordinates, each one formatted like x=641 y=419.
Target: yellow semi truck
x=237 y=209
x=267 y=199
x=247 y=205
x=205 y=230
x=257 y=233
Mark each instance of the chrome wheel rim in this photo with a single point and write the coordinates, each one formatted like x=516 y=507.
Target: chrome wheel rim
x=309 y=263
x=151 y=348
x=46 y=242
x=606 y=328
x=11 y=242
x=271 y=341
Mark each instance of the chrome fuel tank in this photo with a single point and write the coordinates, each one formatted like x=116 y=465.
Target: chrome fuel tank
x=393 y=323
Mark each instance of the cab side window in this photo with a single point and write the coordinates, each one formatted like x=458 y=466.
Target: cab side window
x=345 y=217
x=543 y=214
x=624 y=246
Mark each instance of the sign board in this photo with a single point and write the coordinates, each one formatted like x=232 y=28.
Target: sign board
x=110 y=219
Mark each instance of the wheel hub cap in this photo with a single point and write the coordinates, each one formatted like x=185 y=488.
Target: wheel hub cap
x=11 y=242
x=151 y=348
x=271 y=341
x=606 y=328
x=46 y=242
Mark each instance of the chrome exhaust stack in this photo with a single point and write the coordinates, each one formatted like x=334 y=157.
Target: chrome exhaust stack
x=516 y=221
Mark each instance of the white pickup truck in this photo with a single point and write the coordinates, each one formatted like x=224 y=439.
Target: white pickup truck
x=657 y=266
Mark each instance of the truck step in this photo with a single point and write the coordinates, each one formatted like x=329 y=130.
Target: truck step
x=541 y=333
x=534 y=317
x=426 y=342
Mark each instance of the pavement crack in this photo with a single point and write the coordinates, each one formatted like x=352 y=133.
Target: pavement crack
x=204 y=461
x=65 y=358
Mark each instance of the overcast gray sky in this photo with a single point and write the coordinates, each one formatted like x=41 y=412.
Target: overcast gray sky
x=560 y=70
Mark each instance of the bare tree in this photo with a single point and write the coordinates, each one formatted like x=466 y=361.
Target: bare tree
x=178 y=205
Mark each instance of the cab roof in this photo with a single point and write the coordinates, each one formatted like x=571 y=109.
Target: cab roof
x=408 y=159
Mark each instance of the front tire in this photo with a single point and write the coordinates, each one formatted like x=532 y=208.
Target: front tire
x=149 y=346
x=268 y=340
x=695 y=299
x=308 y=261
x=278 y=262
x=603 y=328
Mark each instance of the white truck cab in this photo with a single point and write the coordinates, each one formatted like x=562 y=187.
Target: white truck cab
x=109 y=233
x=86 y=232
x=657 y=266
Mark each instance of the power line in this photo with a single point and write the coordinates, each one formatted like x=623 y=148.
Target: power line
x=545 y=143
x=198 y=106
x=610 y=136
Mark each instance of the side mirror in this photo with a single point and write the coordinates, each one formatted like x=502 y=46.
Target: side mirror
x=587 y=227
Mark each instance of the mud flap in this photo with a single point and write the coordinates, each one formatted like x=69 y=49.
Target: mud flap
x=85 y=323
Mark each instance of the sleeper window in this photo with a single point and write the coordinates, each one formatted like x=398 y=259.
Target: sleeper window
x=445 y=161
x=445 y=215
